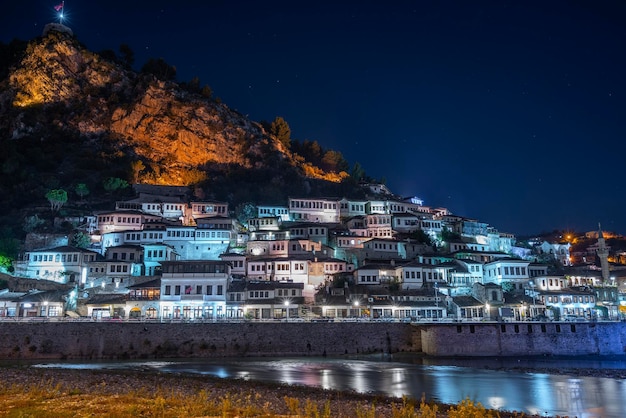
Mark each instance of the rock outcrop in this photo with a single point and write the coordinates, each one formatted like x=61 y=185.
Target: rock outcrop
x=177 y=135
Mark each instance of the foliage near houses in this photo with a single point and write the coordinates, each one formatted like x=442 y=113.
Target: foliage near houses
x=80 y=240
x=57 y=198
x=81 y=190
x=112 y=184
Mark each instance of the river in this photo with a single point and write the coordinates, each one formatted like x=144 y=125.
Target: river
x=496 y=383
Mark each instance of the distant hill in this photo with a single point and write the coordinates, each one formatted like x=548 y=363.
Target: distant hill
x=71 y=116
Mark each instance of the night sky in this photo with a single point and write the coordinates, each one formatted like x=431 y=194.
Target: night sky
x=509 y=112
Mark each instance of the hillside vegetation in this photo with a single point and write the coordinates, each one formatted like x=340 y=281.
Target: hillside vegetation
x=85 y=123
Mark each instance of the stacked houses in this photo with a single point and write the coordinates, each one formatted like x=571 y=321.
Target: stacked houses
x=162 y=257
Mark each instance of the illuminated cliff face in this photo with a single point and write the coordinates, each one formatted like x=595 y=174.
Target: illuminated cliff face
x=175 y=133
x=57 y=70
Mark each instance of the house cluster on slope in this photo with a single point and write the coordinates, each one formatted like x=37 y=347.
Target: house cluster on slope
x=160 y=256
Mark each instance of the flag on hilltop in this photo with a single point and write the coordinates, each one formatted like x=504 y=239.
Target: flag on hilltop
x=59 y=6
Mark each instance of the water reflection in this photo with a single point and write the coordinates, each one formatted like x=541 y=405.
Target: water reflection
x=532 y=393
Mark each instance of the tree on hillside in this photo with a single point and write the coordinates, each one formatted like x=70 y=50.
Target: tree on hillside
x=246 y=211
x=358 y=173
x=80 y=240
x=9 y=248
x=31 y=223
x=448 y=235
x=333 y=161
x=81 y=190
x=508 y=287
x=112 y=184
x=311 y=151
x=10 y=54
x=280 y=129
x=193 y=85
x=206 y=91
x=57 y=198
x=421 y=237
x=108 y=54
x=128 y=56
x=160 y=69
x=137 y=167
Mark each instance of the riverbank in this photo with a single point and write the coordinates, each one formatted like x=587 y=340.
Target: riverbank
x=48 y=392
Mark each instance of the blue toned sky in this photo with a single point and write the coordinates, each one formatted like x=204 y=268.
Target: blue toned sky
x=510 y=112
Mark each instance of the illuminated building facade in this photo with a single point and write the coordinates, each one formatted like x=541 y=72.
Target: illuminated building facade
x=193 y=289
x=64 y=264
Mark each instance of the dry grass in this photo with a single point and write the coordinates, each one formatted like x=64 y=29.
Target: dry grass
x=50 y=393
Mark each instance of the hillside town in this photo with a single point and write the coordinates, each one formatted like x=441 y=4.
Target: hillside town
x=163 y=257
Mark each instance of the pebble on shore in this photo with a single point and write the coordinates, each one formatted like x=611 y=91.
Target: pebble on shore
x=265 y=395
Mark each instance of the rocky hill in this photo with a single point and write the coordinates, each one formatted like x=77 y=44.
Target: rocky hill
x=69 y=116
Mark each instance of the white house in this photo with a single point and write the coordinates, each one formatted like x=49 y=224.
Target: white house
x=377 y=274
x=207 y=209
x=406 y=223
x=378 y=225
x=272 y=300
x=560 y=251
x=349 y=208
x=236 y=263
x=512 y=271
x=314 y=209
x=60 y=264
x=384 y=249
x=463 y=275
x=280 y=212
x=193 y=289
x=265 y=223
x=317 y=232
x=123 y=220
x=294 y=269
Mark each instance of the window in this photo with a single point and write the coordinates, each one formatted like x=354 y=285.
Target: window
x=177 y=290
x=168 y=289
x=220 y=289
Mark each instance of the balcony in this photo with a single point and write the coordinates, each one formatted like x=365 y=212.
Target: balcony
x=198 y=298
x=140 y=297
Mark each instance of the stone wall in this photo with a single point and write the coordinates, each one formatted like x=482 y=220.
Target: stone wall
x=524 y=338
x=112 y=340
x=108 y=340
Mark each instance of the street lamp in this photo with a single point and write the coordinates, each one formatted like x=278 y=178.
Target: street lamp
x=436 y=301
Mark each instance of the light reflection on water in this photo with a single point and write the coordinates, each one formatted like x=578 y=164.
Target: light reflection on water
x=492 y=382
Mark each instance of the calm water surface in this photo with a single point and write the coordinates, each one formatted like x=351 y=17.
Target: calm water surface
x=448 y=381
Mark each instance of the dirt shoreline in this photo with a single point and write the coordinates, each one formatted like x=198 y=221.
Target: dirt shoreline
x=272 y=396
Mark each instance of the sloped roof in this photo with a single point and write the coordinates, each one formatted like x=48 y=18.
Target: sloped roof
x=154 y=283
x=103 y=298
x=65 y=249
x=41 y=296
x=465 y=301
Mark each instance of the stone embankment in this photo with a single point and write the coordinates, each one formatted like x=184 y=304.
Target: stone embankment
x=146 y=340
x=143 y=340
x=524 y=339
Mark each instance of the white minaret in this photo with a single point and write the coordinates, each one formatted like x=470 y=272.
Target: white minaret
x=603 y=255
